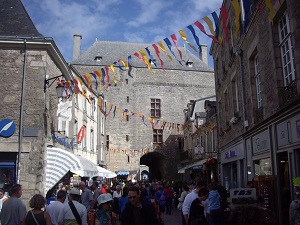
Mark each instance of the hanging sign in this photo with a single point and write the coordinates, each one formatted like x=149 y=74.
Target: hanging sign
x=80 y=135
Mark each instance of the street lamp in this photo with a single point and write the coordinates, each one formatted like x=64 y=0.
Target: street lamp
x=59 y=89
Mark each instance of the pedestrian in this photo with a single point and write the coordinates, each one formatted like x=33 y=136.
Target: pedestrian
x=160 y=199
x=14 y=210
x=55 y=207
x=37 y=215
x=86 y=196
x=96 y=192
x=168 y=190
x=104 y=211
x=190 y=198
x=196 y=216
x=3 y=198
x=75 y=212
x=184 y=193
x=103 y=188
x=137 y=212
x=216 y=216
x=123 y=201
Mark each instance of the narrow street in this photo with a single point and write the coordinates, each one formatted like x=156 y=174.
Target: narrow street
x=174 y=218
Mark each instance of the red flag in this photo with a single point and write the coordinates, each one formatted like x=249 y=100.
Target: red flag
x=224 y=13
x=80 y=135
x=202 y=29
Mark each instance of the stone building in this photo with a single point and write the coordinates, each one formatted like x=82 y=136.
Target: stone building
x=38 y=127
x=257 y=87
x=27 y=60
x=137 y=105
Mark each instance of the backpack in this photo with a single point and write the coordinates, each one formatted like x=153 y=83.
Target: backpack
x=162 y=199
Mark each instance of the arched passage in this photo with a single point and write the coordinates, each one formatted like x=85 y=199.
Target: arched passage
x=155 y=161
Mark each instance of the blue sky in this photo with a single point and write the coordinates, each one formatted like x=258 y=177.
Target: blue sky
x=118 y=20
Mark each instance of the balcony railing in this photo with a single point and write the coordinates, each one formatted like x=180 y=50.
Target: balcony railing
x=288 y=94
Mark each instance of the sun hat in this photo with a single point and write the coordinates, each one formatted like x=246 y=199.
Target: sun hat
x=104 y=198
x=74 y=191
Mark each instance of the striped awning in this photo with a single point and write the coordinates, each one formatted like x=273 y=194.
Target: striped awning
x=60 y=162
x=123 y=173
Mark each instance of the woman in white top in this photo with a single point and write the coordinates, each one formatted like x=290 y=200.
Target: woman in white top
x=3 y=198
x=185 y=191
x=117 y=194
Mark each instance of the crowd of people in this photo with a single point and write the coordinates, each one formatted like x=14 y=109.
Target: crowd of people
x=125 y=203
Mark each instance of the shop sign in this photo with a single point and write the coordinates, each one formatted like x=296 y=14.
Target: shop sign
x=242 y=196
x=63 y=141
x=7 y=128
x=199 y=150
x=261 y=142
x=230 y=154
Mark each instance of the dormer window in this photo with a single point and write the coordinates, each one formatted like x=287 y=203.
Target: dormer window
x=189 y=63
x=152 y=62
x=98 y=58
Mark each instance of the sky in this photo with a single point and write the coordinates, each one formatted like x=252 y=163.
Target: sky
x=137 y=21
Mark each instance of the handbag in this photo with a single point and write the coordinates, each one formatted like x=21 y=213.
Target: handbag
x=179 y=206
x=75 y=212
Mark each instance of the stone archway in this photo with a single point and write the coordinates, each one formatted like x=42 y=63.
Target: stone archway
x=155 y=161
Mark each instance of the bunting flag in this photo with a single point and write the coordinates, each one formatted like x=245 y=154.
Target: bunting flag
x=183 y=36
x=141 y=58
x=124 y=63
x=76 y=86
x=145 y=59
x=82 y=81
x=158 y=55
x=246 y=4
x=224 y=21
x=103 y=76
x=162 y=47
x=190 y=27
x=174 y=39
x=112 y=67
x=216 y=20
x=115 y=111
x=169 y=44
x=270 y=6
x=95 y=77
x=99 y=75
x=150 y=56
x=143 y=119
x=109 y=111
x=118 y=65
x=87 y=79
x=202 y=29
x=107 y=77
x=237 y=12
x=129 y=66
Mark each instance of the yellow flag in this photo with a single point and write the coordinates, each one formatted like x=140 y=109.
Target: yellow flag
x=183 y=36
x=237 y=12
x=145 y=59
x=115 y=79
x=162 y=47
x=271 y=9
x=112 y=67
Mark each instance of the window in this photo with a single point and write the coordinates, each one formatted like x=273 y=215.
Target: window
x=102 y=126
x=84 y=140
x=98 y=58
x=235 y=95
x=286 y=50
x=127 y=99
x=155 y=107
x=127 y=137
x=127 y=117
x=128 y=159
x=92 y=140
x=226 y=104
x=93 y=107
x=75 y=130
x=158 y=136
x=126 y=80
x=67 y=128
x=84 y=104
x=107 y=142
x=258 y=81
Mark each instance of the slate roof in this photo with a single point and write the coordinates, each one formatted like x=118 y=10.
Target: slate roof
x=15 y=21
x=113 y=51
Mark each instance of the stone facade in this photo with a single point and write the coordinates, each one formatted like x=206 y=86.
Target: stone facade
x=257 y=86
x=127 y=139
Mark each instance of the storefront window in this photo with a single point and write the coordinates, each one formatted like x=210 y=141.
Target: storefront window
x=7 y=175
x=262 y=167
x=230 y=175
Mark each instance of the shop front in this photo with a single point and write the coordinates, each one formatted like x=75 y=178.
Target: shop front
x=232 y=166
x=64 y=167
x=288 y=161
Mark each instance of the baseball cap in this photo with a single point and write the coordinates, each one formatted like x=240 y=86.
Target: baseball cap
x=74 y=191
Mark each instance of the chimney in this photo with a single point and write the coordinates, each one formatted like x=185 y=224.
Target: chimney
x=76 y=47
x=203 y=54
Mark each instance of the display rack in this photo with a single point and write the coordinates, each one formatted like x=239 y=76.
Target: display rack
x=266 y=196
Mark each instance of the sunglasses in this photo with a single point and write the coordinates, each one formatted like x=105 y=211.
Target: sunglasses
x=130 y=197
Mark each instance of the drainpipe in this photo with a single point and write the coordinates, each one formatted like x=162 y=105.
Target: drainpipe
x=21 y=113
x=240 y=54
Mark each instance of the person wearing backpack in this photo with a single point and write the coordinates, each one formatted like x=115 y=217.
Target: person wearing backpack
x=160 y=199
